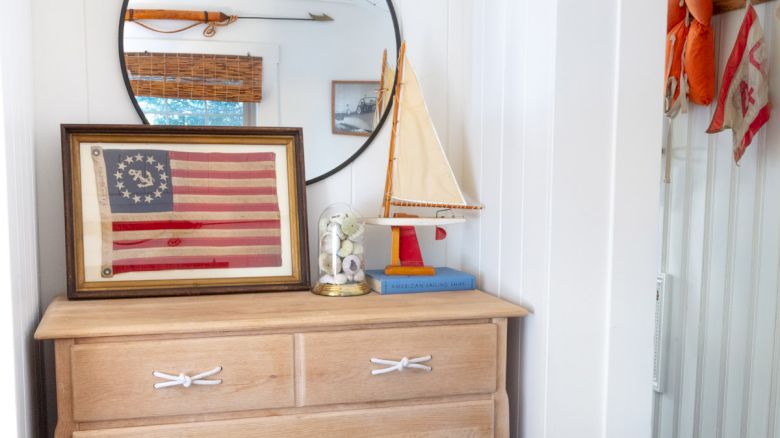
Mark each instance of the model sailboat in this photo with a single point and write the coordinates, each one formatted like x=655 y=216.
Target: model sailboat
x=418 y=172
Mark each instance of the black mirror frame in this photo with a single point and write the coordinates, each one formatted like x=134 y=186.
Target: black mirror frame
x=333 y=171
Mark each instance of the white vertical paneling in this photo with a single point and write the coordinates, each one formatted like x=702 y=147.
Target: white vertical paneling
x=513 y=185
x=768 y=381
x=18 y=246
x=492 y=132
x=60 y=77
x=106 y=104
x=554 y=109
x=9 y=400
x=720 y=192
x=533 y=211
x=471 y=158
x=723 y=251
x=60 y=97
x=758 y=392
x=691 y=280
x=459 y=37
x=675 y=238
x=631 y=268
x=740 y=289
x=581 y=188
x=706 y=257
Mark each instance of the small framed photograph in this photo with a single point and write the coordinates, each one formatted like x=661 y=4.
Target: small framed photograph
x=158 y=211
x=353 y=105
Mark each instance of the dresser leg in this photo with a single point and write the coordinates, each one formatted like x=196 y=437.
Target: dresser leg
x=65 y=426
x=501 y=401
x=63 y=430
x=500 y=398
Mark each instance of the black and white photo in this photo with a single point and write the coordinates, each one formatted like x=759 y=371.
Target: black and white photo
x=354 y=107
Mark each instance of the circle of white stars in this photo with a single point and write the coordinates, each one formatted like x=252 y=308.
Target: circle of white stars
x=142 y=159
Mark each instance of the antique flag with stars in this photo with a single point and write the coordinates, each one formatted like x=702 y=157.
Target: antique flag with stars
x=169 y=210
x=743 y=103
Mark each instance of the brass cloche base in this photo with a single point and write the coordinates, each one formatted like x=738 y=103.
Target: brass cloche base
x=341 y=290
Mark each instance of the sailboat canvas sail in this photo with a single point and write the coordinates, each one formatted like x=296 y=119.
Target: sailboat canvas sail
x=422 y=172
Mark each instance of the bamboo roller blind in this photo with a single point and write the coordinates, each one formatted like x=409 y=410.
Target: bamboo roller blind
x=227 y=78
x=720 y=6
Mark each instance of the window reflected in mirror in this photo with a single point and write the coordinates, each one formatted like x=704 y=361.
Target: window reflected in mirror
x=192 y=112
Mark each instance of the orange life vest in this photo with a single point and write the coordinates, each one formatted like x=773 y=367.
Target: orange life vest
x=690 y=54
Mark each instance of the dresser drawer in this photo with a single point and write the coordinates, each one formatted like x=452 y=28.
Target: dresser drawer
x=336 y=367
x=450 y=420
x=115 y=380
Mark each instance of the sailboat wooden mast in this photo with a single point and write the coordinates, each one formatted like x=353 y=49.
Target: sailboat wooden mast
x=394 y=132
x=381 y=94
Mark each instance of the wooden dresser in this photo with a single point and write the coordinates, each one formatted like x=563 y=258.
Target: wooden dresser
x=281 y=364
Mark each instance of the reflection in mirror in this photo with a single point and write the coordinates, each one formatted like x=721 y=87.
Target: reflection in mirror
x=309 y=63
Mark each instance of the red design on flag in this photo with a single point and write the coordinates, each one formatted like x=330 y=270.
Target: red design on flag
x=743 y=102
x=747 y=96
x=200 y=211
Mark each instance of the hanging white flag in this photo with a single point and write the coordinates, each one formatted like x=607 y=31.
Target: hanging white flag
x=743 y=103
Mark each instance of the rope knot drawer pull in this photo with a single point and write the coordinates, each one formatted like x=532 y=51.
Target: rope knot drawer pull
x=399 y=365
x=185 y=380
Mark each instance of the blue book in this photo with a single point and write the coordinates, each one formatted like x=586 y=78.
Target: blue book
x=446 y=279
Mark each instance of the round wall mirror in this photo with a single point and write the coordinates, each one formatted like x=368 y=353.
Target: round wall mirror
x=316 y=64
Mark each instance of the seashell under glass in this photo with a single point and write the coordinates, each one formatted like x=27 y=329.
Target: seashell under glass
x=341 y=255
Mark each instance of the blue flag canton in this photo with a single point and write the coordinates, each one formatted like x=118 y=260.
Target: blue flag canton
x=139 y=181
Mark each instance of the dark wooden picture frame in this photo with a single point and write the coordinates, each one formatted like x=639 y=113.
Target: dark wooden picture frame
x=358 y=113
x=281 y=265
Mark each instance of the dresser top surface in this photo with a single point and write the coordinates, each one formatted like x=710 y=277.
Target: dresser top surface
x=262 y=311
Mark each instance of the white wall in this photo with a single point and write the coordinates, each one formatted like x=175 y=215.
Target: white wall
x=563 y=147
x=721 y=247
x=548 y=114
x=19 y=402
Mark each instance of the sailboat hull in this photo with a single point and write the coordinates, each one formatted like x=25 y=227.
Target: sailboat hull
x=414 y=221
x=410 y=270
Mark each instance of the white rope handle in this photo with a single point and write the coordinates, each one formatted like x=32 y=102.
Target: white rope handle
x=399 y=365
x=185 y=380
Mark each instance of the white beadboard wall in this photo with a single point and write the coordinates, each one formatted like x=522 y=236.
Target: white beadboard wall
x=721 y=246
x=20 y=401
x=563 y=140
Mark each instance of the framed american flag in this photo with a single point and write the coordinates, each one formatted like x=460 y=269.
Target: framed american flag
x=157 y=211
